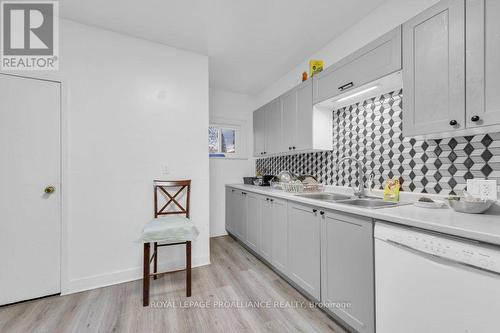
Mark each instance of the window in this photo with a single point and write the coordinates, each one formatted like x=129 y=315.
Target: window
x=226 y=141
x=221 y=140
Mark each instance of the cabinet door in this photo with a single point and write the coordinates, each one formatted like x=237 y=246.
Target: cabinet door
x=230 y=192
x=259 y=131
x=377 y=59
x=483 y=62
x=240 y=215
x=434 y=70
x=304 y=248
x=274 y=128
x=289 y=110
x=279 y=251
x=304 y=127
x=266 y=235
x=253 y=220
x=347 y=272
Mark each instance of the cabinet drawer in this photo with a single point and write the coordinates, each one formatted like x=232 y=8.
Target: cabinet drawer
x=379 y=58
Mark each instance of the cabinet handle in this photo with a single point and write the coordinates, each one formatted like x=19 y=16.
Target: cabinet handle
x=315 y=210
x=232 y=190
x=346 y=86
x=294 y=148
x=474 y=118
x=271 y=200
x=322 y=213
x=267 y=199
x=244 y=193
x=289 y=148
x=453 y=122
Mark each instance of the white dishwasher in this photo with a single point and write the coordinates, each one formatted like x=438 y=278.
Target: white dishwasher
x=426 y=282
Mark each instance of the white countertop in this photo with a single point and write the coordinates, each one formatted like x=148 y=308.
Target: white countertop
x=481 y=227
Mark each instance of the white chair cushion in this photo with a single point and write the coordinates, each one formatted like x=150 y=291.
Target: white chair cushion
x=171 y=228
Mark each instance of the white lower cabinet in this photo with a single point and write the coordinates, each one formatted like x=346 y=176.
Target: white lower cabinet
x=253 y=220
x=279 y=235
x=347 y=269
x=327 y=254
x=239 y=217
x=230 y=211
x=304 y=247
x=273 y=244
x=261 y=223
x=266 y=229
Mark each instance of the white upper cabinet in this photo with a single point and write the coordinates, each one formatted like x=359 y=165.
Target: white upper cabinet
x=291 y=123
x=259 y=131
x=482 y=63
x=375 y=60
x=434 y=70
x=297 y=108
x=289 y=109
x=304 y=138
x=274 y=128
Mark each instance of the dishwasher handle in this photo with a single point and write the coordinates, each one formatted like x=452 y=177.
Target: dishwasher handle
x=438 y=259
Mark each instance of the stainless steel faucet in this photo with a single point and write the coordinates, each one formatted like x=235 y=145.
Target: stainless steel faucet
x=360 y=190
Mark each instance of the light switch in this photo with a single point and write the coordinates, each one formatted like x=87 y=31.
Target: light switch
x=482 y=188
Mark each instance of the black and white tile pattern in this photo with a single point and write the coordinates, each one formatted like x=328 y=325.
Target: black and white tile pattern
x=371 y=132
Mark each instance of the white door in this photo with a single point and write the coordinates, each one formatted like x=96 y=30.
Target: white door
x=30 y=223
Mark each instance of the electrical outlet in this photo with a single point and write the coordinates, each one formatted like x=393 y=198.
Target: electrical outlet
x=482 y=188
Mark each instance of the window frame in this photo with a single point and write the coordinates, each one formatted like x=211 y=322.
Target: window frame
x=240 y=141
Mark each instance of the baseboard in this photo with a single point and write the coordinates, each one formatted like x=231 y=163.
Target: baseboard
x=127 y=275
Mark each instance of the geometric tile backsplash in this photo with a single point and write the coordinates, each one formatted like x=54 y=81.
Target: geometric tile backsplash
x=371 y=131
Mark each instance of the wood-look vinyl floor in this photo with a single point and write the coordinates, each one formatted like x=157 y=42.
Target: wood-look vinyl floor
x=235 y=277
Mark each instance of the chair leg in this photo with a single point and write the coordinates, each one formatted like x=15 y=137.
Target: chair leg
x=145 y=279
x=188 y=269
x=155 y=263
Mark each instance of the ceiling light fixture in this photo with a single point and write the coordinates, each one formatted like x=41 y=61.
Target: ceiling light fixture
x=357 y=93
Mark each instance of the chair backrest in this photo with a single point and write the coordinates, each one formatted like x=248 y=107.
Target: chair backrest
x=163 y=186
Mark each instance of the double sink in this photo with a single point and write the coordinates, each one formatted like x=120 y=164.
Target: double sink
x=365 y=202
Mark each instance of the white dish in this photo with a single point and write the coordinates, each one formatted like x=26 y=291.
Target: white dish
x=436 y=204
x=470 y=207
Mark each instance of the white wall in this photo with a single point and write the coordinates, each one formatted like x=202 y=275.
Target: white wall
x=383 y=19
x=232 y=107
x=129 y=107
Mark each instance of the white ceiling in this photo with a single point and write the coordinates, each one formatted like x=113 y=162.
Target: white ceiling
x=250 y=43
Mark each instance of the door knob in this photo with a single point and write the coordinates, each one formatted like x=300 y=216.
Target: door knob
x=50 y=189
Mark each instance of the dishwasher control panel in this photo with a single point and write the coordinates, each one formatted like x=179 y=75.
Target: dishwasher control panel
x=462 y=251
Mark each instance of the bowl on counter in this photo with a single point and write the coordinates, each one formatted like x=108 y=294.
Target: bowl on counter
x=467 y=206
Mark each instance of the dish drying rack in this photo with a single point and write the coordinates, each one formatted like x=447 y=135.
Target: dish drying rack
x=298 y=187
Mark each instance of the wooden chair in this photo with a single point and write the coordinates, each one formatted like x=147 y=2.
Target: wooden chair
x=168 y=228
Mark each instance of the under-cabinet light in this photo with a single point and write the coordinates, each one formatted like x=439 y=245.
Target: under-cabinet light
x=357 y=93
